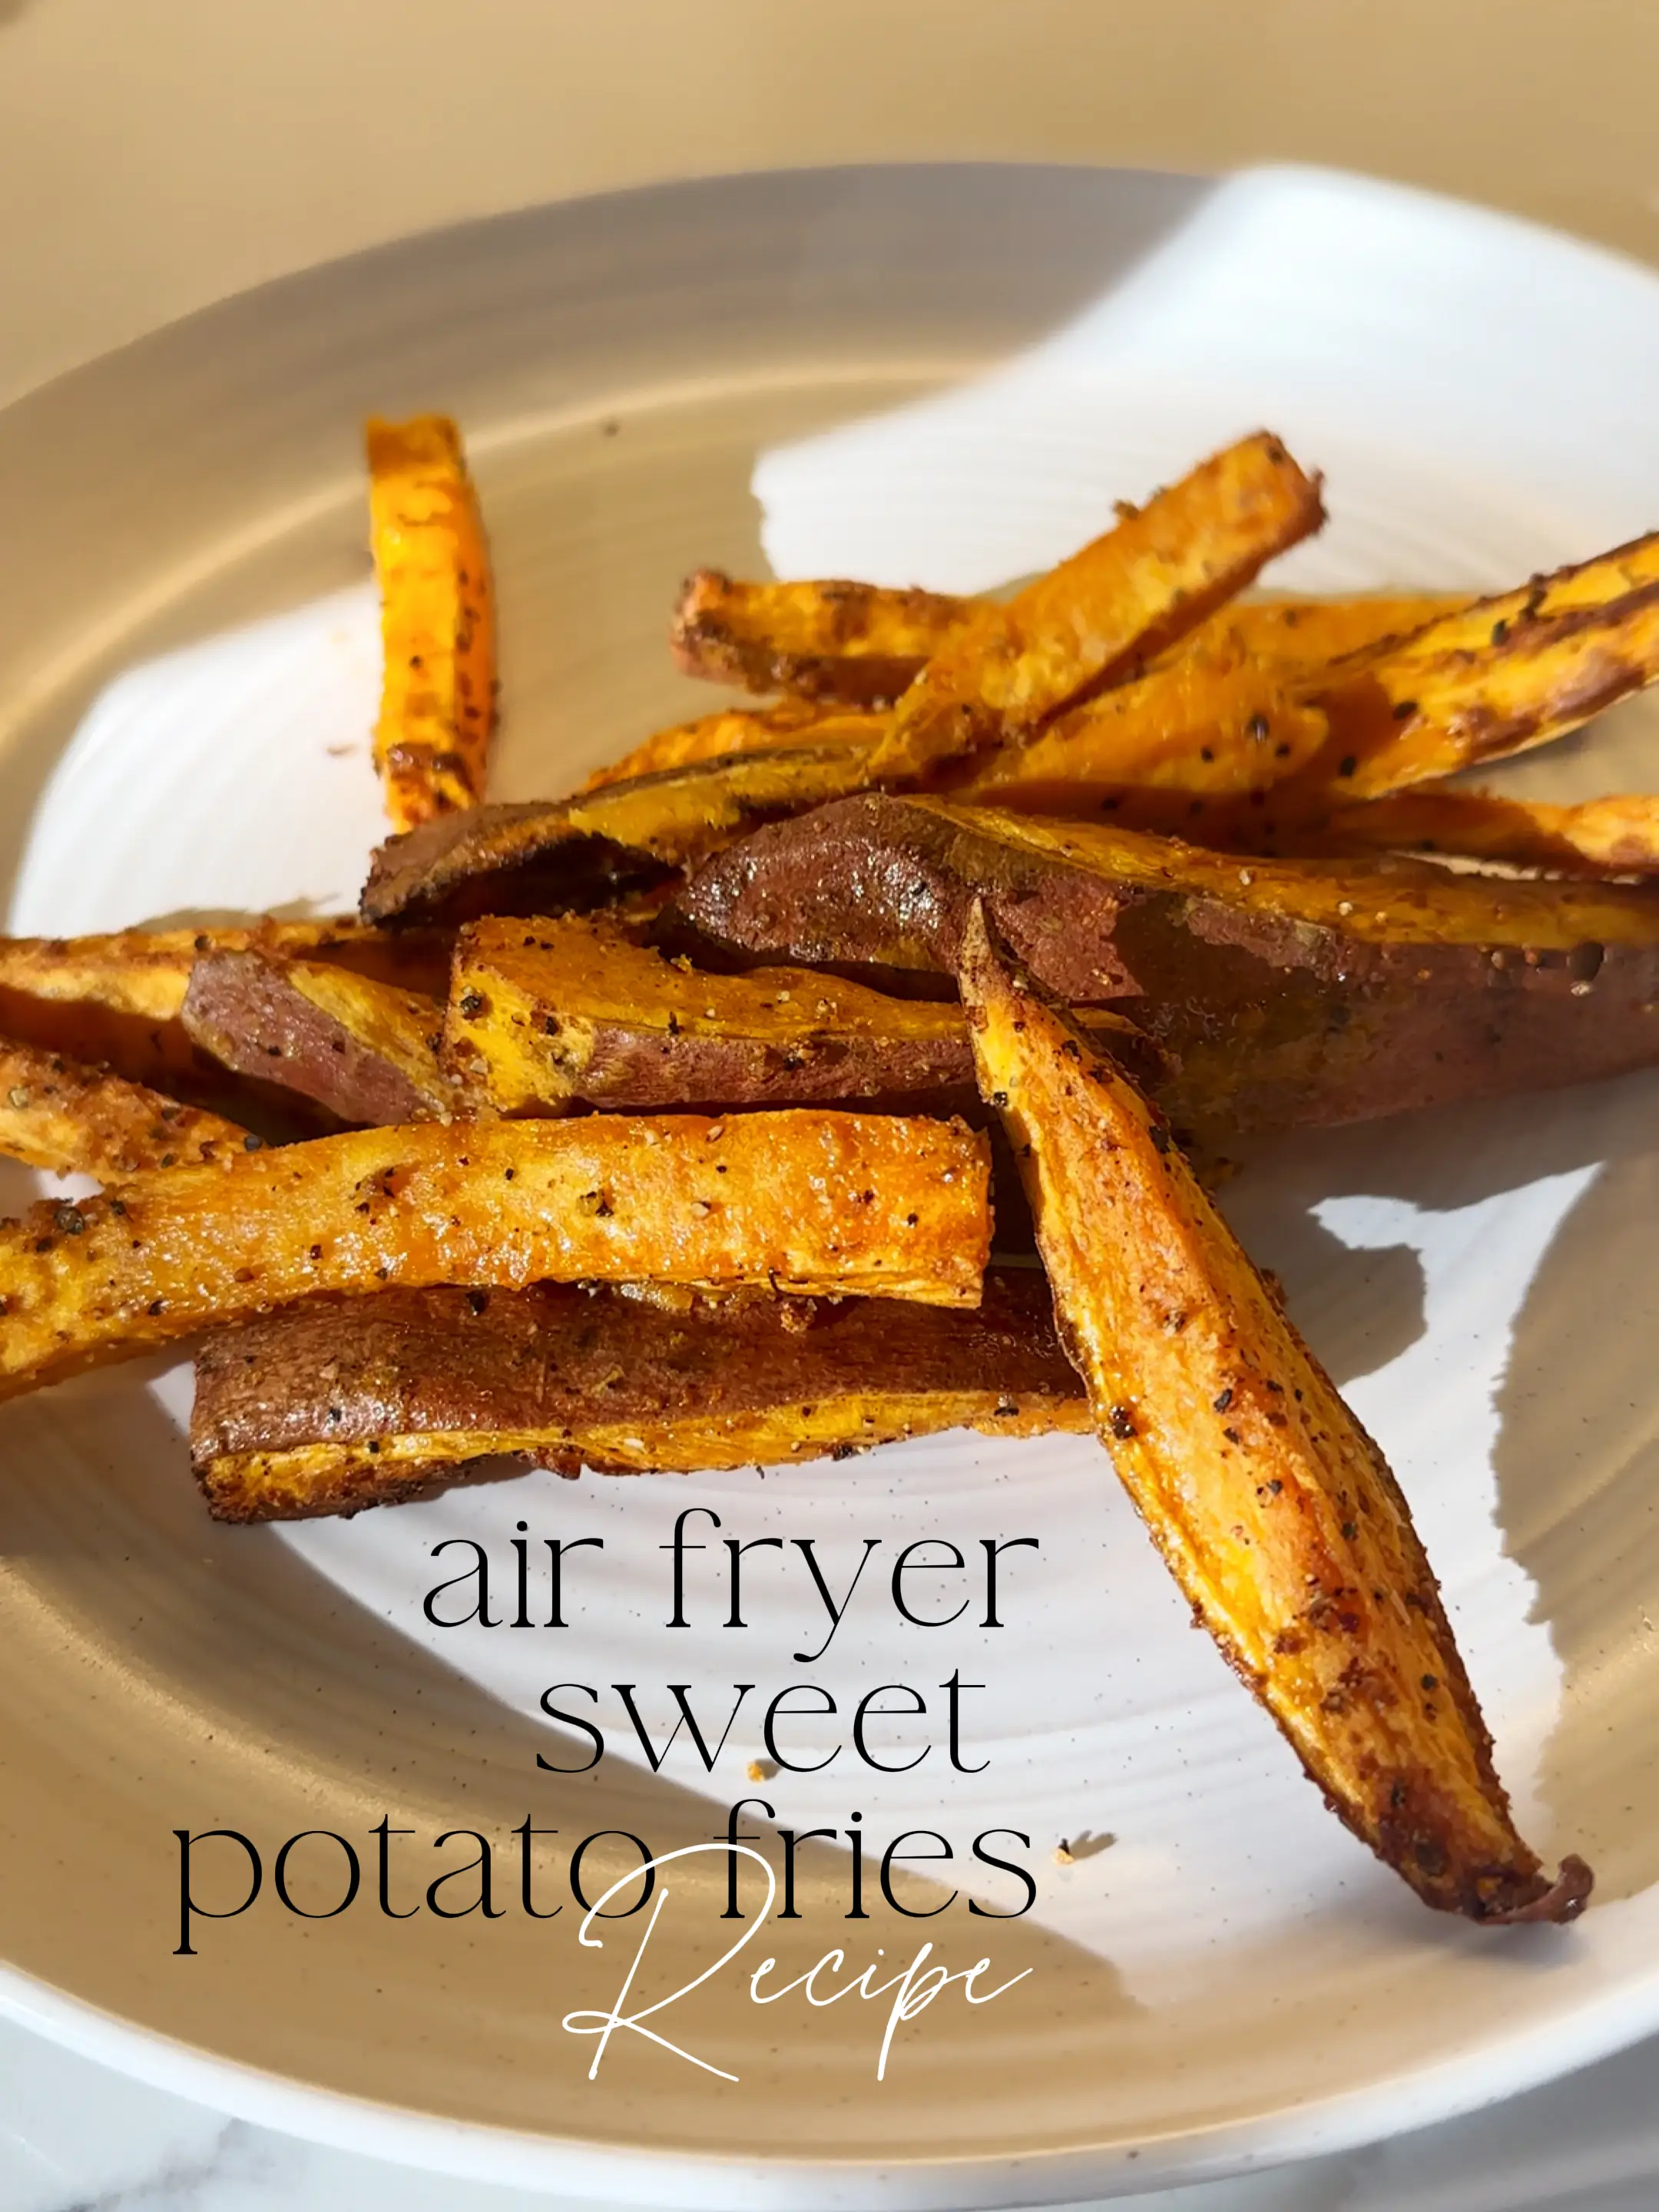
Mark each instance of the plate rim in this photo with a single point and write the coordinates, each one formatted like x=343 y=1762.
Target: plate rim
x=516 y=2158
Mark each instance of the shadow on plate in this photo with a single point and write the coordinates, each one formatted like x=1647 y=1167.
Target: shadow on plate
x=1578 y=1467
x=1577 y=1457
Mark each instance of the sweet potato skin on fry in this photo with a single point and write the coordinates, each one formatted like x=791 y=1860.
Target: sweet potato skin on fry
x=1122 y=599
x=812 y=1202
x=367 y=1051
x=857 y=645
x=69 y=1119
x=547 y=1014
x=1274 y=1509
x=116 y=999
x=437 y=620
x=1285 y=994
x=338 y=1404
x=571 y=855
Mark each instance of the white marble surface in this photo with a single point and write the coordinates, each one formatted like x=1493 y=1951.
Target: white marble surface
x=75 y=2137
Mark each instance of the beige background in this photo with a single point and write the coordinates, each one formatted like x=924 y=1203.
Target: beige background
x=155 y=155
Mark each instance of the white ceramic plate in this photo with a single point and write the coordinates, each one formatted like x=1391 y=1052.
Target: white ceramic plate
x=941 y=376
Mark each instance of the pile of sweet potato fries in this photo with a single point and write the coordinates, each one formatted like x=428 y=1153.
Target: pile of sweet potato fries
x=658 y=1126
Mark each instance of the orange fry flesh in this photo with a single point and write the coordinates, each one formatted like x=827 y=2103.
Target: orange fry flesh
x=1124 y=597
x=437 y=620
x=70 y=1119
x=817 y=1202
x=1157 y=753
x=1613 y=836
x=1503 y=676
x=741 y=730
x=1214 y=721
x=860 y=645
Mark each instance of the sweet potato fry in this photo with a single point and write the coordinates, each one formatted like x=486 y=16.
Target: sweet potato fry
x=553 y=856
x=338 y=1404
x=813 y=1202
x=437 y=620
x=862 y=644
x=146 y=972
x=1170 y=752
x=1120 y=601
x=1503 y=676
x=1583 y=587
x=70 y=1119
x=1191 y=746
x=553 y=1014
x=117 y=998
x=1212 y=690
x=367 y=1051
x=858 y=645
x=1615 y=836
x=742 y=730
x=1273 y=1508
x=1306 y=633
x=1285 y=993
x=546 y=1015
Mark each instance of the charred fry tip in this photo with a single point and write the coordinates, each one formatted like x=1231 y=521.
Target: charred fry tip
x=1562 y=1902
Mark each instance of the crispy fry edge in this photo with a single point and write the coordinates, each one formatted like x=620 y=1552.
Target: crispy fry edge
x=1273 y=1508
